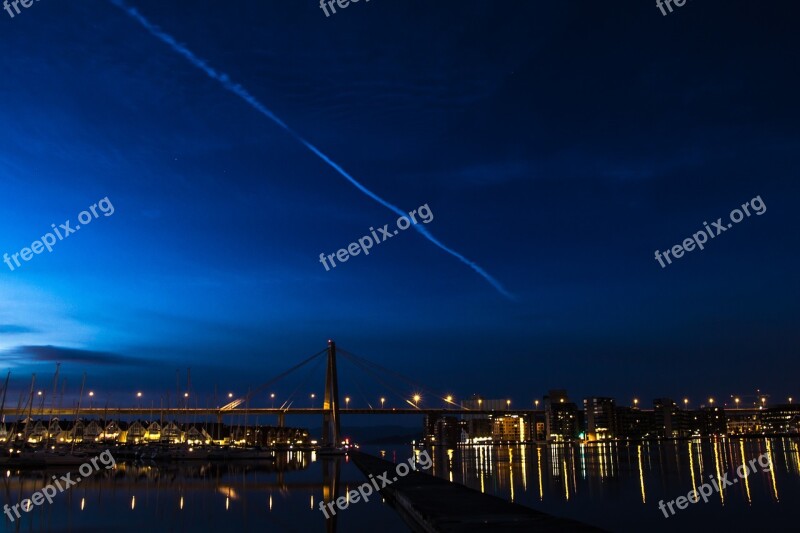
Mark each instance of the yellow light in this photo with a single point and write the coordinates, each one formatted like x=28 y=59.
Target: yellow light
x=449 y=399
x=711 y=400
x=416 y=398
x=185 y=394
x=91 y=393
x=138 y=394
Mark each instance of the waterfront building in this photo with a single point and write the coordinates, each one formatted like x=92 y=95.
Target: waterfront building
x=633 y=423
x=670 y=421
x=601 y=418
x=509 y=428
x=562 y=417
x=781 y=419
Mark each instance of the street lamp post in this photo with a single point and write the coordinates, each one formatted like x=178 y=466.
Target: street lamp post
x=312 y=399
x=536 y=403
x=91 y=397
x=272 y=397
x=347 y=402
x=416 y=400
x=382 y=401
x=508 y=404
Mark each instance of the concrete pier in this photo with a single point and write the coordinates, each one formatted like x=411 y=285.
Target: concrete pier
x=434 y=505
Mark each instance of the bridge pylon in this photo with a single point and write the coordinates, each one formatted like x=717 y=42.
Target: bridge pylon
x=331 y=428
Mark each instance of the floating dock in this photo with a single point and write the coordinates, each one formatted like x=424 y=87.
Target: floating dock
x=434 y=505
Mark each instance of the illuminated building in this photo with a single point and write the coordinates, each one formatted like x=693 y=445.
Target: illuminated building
x=601 y=418
x=562 y=417
x=781 y=419
x=509 y=428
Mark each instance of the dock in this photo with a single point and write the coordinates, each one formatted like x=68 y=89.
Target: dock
x=434 y=505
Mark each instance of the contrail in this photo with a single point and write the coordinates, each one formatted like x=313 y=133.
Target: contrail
x=242 y=93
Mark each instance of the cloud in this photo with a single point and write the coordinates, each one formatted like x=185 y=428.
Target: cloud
x=71 y=355
x=11 y=329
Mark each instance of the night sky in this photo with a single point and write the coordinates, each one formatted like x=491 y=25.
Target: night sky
x=557 y=144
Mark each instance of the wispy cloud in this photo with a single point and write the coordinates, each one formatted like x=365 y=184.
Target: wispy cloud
x=43 y=354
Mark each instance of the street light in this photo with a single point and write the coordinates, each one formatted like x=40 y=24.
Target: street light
x=39 y=393
x=790 y=399
x=312 y=399
x=272 y=397
x=382 y=400
x=635 y=402
x=685 y=403
x=480 y=401
x=536 y=403
x=711 y=401
x=347 y=402
x=736 y=400
x=230 y=395
x=416 y=400
x=508 y=404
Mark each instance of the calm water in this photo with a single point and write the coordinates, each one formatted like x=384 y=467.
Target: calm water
x=615 y=486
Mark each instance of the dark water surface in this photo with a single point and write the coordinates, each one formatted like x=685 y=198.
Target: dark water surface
x=615 y=486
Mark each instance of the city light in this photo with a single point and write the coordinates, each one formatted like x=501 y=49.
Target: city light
x=91 y=393
x=416 y=399
x=536 y=403
x=346 y=402
x=312 y=399
x=382 y=401
x=508 y=404
x=138 y=394
x=185 y=394
x=38 y=393
x=685 y=403
x=635 y=402
x=230 y=395
x=737 y=402
x=711 y=401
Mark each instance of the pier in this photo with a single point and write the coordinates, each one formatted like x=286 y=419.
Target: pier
x=434 y=505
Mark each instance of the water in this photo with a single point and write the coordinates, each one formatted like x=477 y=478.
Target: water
x=618 y=486
x=615 y=486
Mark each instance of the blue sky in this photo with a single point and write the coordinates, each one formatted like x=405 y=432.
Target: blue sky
x=557 y=144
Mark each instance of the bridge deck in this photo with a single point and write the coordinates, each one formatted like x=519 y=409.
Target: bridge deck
x=432 y=504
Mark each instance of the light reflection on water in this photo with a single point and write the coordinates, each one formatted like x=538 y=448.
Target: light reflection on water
x=618 y=485
x=614 y=485
x=201 y=496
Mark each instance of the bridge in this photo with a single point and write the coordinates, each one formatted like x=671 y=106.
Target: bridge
x=331 y=410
